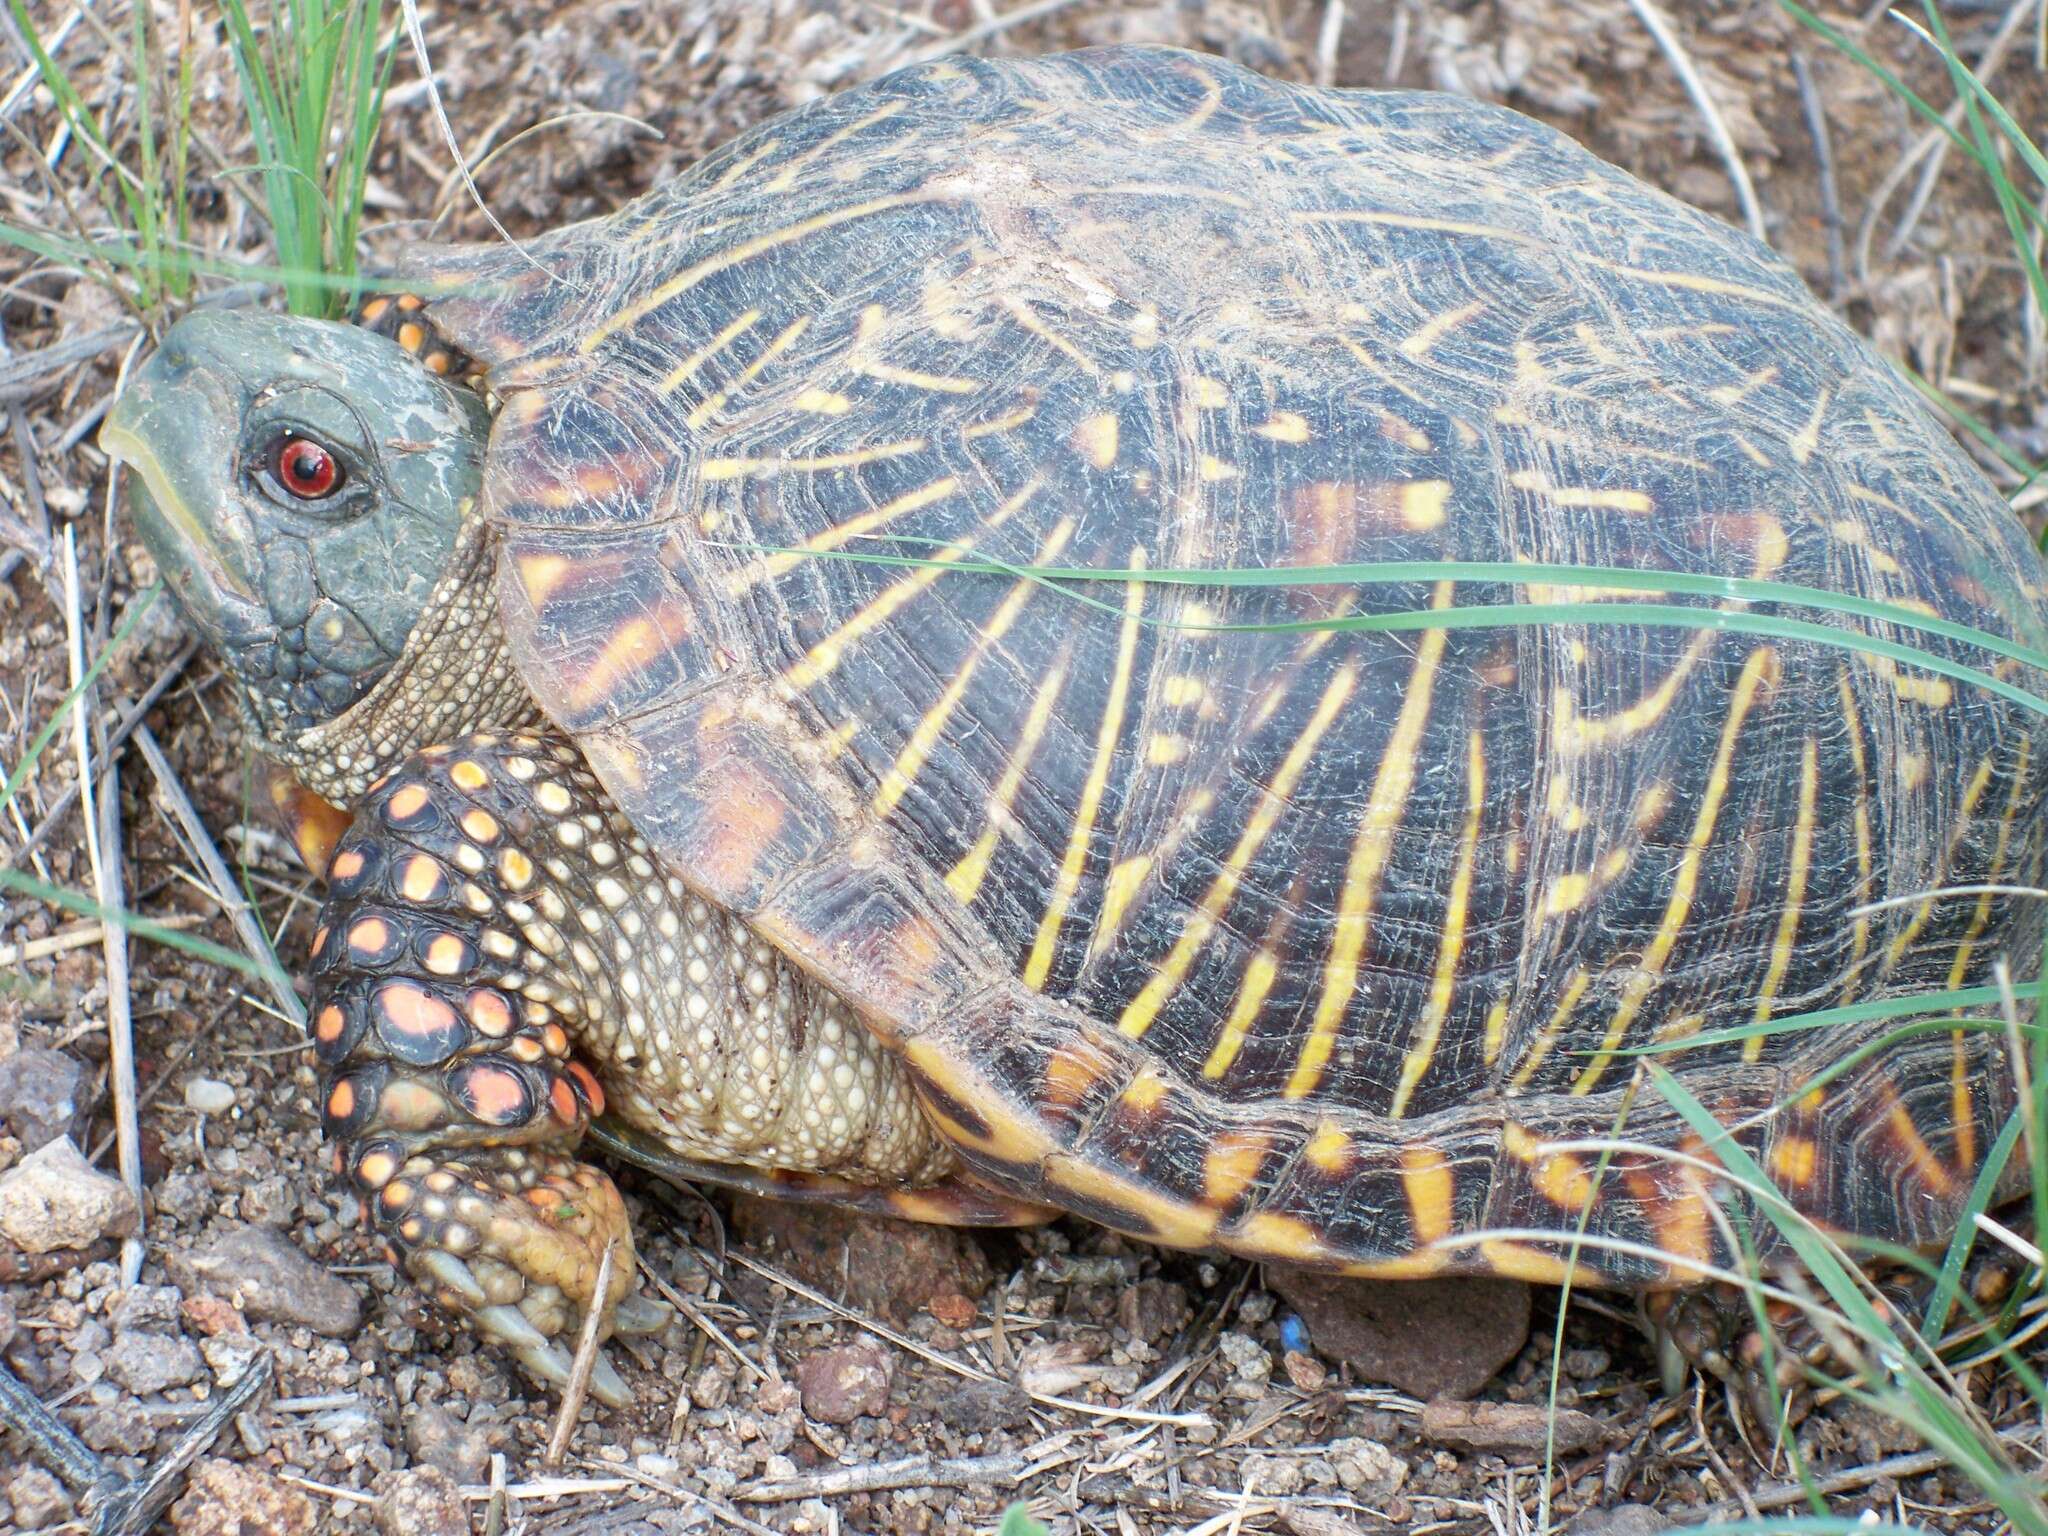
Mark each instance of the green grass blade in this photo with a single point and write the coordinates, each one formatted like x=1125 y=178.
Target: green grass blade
x=84 y=906
x=142 y=604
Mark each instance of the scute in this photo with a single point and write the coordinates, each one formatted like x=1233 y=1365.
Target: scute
x=1307 y=943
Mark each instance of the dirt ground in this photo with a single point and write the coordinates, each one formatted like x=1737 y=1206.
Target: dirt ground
x=826 y=1375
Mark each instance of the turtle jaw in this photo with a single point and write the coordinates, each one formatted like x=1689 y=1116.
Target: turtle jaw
x=175 y=428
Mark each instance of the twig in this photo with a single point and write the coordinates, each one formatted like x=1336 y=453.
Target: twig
x=1824 y=167
x=21 y=379
x=878 y=1477
x=1703 y=101
x=578 y=1385
x=171 y=794
x=1326 y=43
x=131 y=717
x=995 y=26
x=78 y=937
x=1778 y=1495
x=103 y=853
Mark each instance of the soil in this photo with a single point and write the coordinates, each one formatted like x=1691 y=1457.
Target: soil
x=1116 y=1387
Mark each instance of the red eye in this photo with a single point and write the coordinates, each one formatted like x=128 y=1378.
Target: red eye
x=306 y=469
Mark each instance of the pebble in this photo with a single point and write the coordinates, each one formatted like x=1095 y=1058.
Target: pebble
x=208 y=1095
x=1509 y=1427
x=38 y=1499
x=146 y=1363
x=1620 y=1520
x=145 y=1306
x=1151 y=1309
x=842 y=1383
x=42 y=1096
x=976 y=1407
x=1430 y=1338
x=894 y=1269
x=437 y=1437
x=259 y=1270
x=54 y=1199
x=224 y=1499
x=422 y=1501
x=1366 y=1468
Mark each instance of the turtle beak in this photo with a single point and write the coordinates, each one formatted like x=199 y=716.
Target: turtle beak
x=176 y=427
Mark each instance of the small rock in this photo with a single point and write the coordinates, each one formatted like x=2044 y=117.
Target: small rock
x=146 y=1306
x=954 y=1310
x=1151 y=1309
x=7 y=1324
x=259 y=1270
x=842 y=1383
x=269 y=1202
x=224 y=1499
x=38 y=1499
x=1509 y=1427
x=229 y=1355
x=208 y=1095
x=185 y=1197
x=710 y=1387
x=42 y=1096
x=1620 y=1520
x=117 y=1425
x=1275 y=1475
x=212 y=1316
x=1430 y=1338
x=54 y=1199
x=435 y=1436
x=147 y=1363
x=423 y=1501
x=1367 y=1468
x=976 y=1407
x=1586 y=1364
x=892 y=1268
x=1246 y=1356
x=1306 y=1372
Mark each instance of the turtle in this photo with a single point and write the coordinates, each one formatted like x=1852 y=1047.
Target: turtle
x=1313 y=673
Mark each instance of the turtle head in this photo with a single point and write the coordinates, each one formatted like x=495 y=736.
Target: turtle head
x=302 y=486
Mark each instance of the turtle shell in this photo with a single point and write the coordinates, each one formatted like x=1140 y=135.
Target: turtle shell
x=1332 y=938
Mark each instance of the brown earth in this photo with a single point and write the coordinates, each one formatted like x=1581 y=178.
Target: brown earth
x=1186 y=1401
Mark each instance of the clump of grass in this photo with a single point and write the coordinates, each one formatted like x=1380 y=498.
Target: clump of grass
x=312 y=75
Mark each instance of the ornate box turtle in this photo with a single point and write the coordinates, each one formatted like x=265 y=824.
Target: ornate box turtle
x=1268 y=918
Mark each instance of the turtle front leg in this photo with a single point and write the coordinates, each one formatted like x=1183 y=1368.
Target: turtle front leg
x=443 y=1033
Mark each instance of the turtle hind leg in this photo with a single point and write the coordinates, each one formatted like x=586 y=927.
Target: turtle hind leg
x=955 y=1201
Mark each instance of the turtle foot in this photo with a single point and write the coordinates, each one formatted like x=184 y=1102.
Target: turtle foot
x=512 y=1242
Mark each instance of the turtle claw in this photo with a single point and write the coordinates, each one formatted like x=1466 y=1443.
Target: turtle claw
x=608 y=1386
x=452 y=1274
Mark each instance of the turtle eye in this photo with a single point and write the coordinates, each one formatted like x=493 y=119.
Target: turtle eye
x=306 y=469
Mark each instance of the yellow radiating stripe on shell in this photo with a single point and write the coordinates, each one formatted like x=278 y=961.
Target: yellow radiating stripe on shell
x=1574 y=989
x=746 y=250
x=1258 y=980
x=772 y=566
x=1039 y=963
x=964 y=878
x=852 y=458
x=911 y=760
x=1139 y=1013
x=1601 y=498
x=1417 y=343
x=785 y=175
x=1795 y=895
x=1852 y=721
x=911 y=378
x=1426 y=1176
x=828 y=652
x=687 y=369
x=1972 y=793
x=1457 y=911
x=1392 y=783
x=1759 y=668
x=1980 y=919
x=712 y=403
